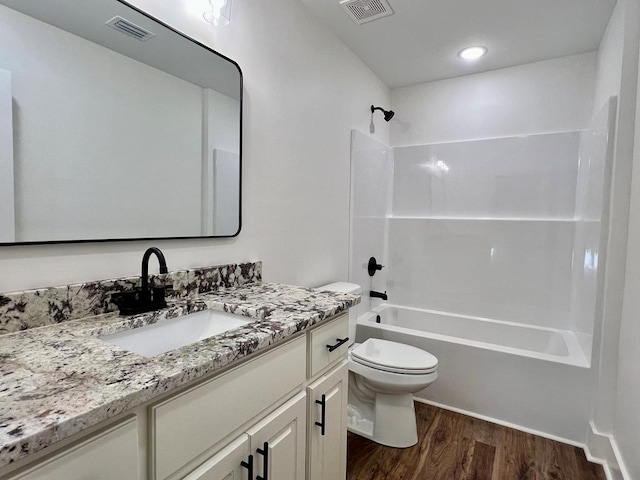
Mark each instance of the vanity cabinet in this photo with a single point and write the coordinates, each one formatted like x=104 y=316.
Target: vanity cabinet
x=281 y=414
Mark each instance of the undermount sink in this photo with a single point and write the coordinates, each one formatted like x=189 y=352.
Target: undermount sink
x=167 y=335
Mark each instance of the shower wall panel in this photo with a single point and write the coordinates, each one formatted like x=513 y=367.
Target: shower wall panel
x=592 y=207
x=529 y=176
x=511 y=270
x=371 y=178
x=487 y=228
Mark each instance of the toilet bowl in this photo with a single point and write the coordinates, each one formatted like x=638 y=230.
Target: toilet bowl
x=383 y=376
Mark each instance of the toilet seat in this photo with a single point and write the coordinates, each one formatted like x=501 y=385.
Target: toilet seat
x=393 y=357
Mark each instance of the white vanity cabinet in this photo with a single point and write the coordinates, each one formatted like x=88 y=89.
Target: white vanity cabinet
x=256 y=421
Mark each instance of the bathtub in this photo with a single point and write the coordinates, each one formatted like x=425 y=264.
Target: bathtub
x=537 y=342
x=532 y=378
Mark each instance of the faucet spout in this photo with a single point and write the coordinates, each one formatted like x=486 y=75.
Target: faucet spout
x=380 y=295
x=143 y=299
x=145 y=266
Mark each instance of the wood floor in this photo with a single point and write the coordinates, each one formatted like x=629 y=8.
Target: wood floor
x=457 y=447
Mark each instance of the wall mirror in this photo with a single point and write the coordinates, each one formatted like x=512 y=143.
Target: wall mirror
x=113 y=126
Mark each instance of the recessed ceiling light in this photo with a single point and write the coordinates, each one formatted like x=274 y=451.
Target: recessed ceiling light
x=472 y=53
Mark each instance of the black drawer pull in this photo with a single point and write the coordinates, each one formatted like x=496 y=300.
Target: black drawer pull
x=249 y=466
x=341 y=341
x=322 y=423
x=264 y=451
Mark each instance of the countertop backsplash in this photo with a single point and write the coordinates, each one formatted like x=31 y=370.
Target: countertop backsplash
x=47 y=306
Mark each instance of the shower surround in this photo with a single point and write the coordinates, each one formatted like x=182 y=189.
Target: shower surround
x=504 y=233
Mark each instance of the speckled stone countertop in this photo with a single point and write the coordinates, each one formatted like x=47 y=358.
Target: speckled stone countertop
x=60 y=379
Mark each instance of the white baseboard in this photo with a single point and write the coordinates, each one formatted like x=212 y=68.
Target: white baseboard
x=601 y=449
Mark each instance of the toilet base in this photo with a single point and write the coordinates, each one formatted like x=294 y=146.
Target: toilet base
x=390 y=421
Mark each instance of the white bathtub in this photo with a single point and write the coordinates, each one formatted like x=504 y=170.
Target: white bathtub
x=536 y=379
x=537 y=342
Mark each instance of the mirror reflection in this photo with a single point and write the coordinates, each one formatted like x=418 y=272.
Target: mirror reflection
x=113 y=126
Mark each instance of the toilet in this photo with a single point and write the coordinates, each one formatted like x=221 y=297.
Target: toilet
x=383 y=376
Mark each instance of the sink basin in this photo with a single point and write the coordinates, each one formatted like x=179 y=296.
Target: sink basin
x=167 y=335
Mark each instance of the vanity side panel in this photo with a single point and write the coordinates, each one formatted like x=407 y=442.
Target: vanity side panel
x=111 y=455
x=186 y=426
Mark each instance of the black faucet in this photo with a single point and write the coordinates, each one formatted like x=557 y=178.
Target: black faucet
x=144 y=299
x=383 y=296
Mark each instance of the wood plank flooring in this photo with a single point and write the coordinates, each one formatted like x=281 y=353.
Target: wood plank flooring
x=458 y=447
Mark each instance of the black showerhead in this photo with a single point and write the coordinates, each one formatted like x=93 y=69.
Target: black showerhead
x=388 y=114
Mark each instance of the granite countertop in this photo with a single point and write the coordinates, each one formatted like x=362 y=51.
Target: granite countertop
x=60 y=379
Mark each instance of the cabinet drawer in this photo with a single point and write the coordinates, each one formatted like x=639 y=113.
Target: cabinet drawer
x=329 y=334
x=186 y=426
x=110 y=455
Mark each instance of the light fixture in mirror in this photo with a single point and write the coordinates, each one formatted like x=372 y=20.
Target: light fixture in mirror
x=219 y=13
x=118 y=127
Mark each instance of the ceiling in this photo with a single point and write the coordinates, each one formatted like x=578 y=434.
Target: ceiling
x=420 y=41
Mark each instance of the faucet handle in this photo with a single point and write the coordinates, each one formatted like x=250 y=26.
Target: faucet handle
x=373 y=266
x=157 y=296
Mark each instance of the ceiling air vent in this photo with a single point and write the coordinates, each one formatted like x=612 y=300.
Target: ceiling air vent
x=131 y=29
x=363 y=11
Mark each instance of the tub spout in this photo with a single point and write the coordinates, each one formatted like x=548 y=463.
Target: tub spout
x=383 y=296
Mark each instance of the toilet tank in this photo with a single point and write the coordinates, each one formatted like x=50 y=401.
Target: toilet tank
x=346 y=287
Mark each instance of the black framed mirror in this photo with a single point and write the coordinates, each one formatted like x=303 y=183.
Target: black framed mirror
x=113 y=126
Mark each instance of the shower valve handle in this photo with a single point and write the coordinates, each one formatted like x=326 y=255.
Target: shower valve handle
x=373 y=266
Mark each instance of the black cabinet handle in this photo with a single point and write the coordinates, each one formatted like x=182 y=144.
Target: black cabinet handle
x=249 y=466
x=264 y=451
x=341 y=341
x=322 y=423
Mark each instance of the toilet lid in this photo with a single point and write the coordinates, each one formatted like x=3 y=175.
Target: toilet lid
x=394 y=357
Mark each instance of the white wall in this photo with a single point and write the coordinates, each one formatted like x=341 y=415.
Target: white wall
x=614 y=426
x=616 y=74
x=627 y=407
x=549 y=96
x=304 y=92
x=609 y=60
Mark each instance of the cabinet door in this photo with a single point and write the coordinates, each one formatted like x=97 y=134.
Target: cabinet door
x=327 y=453
x=278 y=442
x=227 y=464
